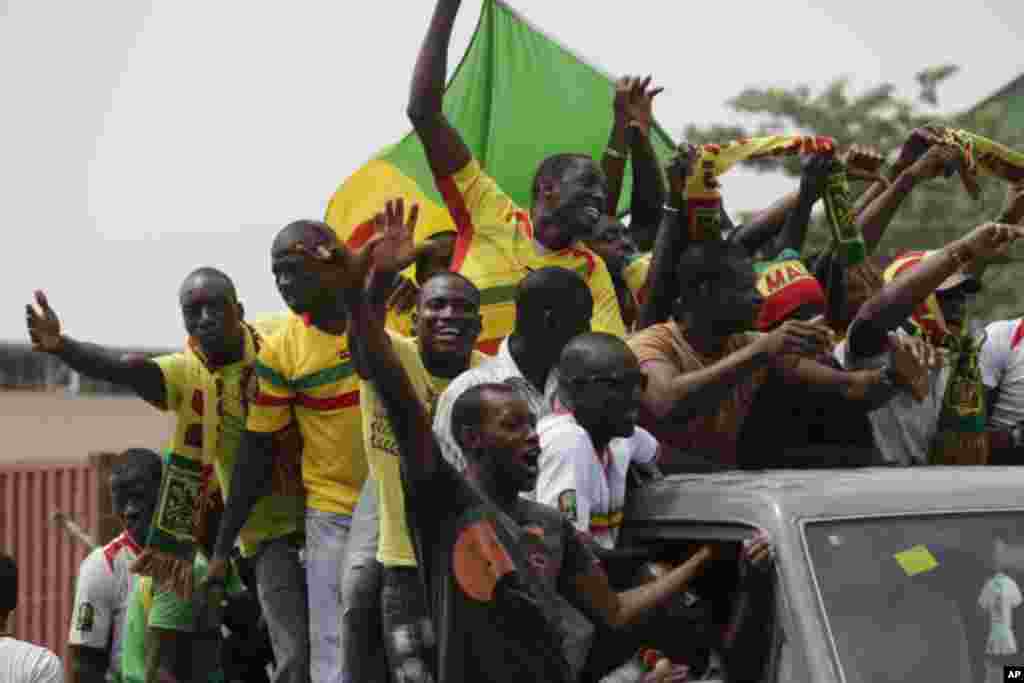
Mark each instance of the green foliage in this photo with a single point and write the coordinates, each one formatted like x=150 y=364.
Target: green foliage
x=936 y=212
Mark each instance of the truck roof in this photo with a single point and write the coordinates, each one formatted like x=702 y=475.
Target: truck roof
x=774 y=497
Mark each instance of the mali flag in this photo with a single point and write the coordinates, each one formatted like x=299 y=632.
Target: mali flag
x=517 y=97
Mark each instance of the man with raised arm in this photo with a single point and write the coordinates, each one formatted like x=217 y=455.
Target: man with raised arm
x=498 y=243
x=906 y=429
x=205 y=386
x=504 y=574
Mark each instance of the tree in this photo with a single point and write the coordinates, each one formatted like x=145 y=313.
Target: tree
x=936 y=212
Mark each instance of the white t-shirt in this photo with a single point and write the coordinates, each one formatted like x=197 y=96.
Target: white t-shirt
x=587 y=487
x=903 y=428
x=501 y=369
x=22 y=662
x=1002 y=367
x=103 y=590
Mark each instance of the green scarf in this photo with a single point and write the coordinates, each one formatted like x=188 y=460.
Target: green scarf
x=961 y=437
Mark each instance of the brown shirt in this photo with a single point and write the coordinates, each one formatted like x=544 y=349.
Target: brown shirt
x=713 y=433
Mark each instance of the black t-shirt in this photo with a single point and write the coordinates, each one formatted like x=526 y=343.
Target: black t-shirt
x=791 y=426
x=492 y=624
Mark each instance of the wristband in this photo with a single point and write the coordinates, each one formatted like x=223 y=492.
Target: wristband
x=671 y=209
x=614 y=153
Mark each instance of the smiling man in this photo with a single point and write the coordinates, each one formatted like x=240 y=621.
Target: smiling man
x=504 y=573
x=447 y=324
x=497 y=242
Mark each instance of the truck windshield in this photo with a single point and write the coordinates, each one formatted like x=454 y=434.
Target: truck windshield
x=928 y=596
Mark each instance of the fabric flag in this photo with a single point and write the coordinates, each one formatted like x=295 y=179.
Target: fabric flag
x=517 y=97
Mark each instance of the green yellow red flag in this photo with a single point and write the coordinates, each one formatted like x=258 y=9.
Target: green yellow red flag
x=516 y=97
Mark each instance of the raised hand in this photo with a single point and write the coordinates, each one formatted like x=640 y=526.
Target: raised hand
x=43 y=325
x=911 y=359
x=919 y=142
x=680 y=166
x=1014 y=210
x=988 y=241
x=940 y=159
x=864 y=163
x=634 y=102
x=814 y=172
x=393 y=248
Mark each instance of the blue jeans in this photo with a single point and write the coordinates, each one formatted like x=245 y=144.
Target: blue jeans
x=327 y=536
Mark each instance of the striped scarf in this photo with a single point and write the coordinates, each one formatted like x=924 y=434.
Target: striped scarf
x=981 y=156
x=704 y=200
x=961 y=437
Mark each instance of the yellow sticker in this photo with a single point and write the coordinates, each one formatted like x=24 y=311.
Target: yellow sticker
x=916 y=560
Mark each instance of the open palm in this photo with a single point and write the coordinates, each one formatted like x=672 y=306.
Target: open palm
x=393 y=249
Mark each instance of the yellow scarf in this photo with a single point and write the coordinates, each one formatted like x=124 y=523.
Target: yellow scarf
x=981 y=156
x=704 y=199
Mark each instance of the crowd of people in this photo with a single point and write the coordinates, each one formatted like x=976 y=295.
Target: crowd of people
x=352 y=503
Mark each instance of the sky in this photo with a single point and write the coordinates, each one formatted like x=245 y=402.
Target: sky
x=143 y=139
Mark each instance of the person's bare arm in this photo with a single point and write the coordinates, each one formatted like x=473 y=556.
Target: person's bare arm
x=613 y=161
x=446 y=151
x=140 y=374
x=794 y=229
x=87 y=664
x=250 y=481
x=662 y=283
x=622 y=609
x=649 y=193
x=895 y=303
x=878 y=214
x=1012 y=214
x=682 y=396
x=391 y=251
x=765 y=224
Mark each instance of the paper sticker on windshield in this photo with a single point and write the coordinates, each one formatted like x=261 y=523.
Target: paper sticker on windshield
x=916 y=560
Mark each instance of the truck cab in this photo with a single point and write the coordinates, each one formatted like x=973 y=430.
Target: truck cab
x=880 y=574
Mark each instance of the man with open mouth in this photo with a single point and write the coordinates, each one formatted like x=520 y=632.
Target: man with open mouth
x=505 y=575
x=497 y=243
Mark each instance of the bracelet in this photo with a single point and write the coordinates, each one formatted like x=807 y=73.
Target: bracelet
x=614 y=153
x=671 y=209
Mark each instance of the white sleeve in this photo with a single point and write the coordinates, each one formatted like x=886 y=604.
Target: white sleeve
x=47 y=669
x=450 y=450
x=995 y=352
x=645 y=447
x=562 y=480
x=92 y=616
